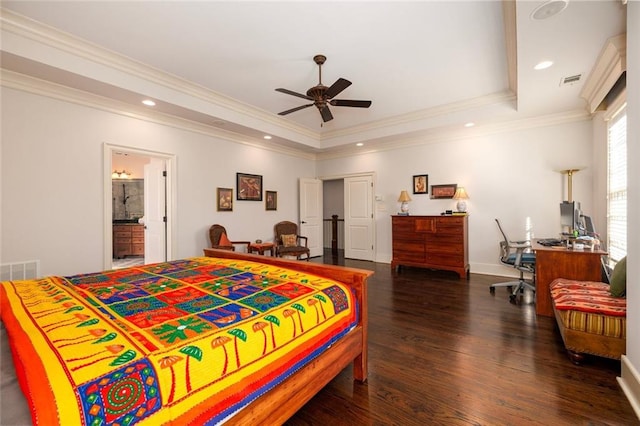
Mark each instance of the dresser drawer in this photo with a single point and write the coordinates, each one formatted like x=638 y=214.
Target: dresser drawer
x=408 y=246
x=408 y=256
x=445 y=259
x=137 y=249
x=441 y=238
x=450 y=228
x=445 y=248
x=402 y=225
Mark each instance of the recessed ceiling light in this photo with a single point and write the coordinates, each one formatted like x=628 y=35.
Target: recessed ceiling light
x=267 y=137
x=359 y=144
x=149 y=102
x=543 y=65
x=469 y=124
x=549 y=9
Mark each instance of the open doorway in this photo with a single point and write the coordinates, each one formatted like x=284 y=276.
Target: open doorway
x=137 y=207
x=349 y=225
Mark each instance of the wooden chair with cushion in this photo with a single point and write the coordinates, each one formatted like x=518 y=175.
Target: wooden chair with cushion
x=288 y=242
x=220 y=240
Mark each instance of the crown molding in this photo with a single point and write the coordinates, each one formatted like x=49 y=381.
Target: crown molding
x=36 y=31
x=454 y=133
x=425 y=114
x=611 y=63
x=48 y=89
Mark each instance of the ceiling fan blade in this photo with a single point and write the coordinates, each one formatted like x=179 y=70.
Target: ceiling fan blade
x=350 y=103
x=326 y=114
x=337 y=87
x=292 y=93
x=289 y=111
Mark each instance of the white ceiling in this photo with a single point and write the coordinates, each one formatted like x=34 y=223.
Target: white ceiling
x=427 y=66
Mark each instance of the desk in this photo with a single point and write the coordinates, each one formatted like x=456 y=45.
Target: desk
x=262 y=247
x=560 y=262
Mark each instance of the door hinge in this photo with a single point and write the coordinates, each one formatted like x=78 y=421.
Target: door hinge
x=164 y=219
x=164 y=173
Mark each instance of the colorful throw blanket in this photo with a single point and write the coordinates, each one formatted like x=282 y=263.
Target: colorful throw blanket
x=586 y=296
x=181 y=342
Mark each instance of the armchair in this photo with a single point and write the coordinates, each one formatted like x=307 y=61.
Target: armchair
x=516 y=254
x=288 y=242
x=219 y=239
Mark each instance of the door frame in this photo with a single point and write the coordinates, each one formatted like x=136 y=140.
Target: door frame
x=373 y=202
x=170 y=160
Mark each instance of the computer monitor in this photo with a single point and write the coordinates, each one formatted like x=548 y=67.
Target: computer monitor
x=588 y=226
x=568 y=216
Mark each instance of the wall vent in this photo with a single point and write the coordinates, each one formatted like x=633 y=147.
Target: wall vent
x=26 y=270
x=572 y=79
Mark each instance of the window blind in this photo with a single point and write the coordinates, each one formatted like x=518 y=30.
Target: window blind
x=617 y=187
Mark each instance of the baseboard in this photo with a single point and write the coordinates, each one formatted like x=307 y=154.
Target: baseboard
x=629 y=381
x=497 y=270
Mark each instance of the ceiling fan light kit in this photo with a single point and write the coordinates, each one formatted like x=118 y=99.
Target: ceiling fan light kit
x=322 y=96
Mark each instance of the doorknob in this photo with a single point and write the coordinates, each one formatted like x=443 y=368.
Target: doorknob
x=303 y=222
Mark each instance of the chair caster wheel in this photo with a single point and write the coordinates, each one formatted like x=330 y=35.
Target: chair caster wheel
x=512 y=299
x=492 y=290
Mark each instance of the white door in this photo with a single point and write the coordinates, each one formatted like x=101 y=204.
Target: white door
x=155 y=212
x=358 y=217
x=311 y=214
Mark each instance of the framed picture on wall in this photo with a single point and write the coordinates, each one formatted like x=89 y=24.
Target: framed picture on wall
x=225 y=199
x=420 y=184
x=248 y=187
x=443 y=191
x=272 y=200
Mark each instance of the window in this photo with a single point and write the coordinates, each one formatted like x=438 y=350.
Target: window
x=617 y=187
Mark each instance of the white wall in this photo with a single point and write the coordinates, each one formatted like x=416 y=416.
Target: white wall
x=633 y=206
x=52 y=182
x=510 y=176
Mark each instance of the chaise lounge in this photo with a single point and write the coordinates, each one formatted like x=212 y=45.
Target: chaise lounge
x=592 y=316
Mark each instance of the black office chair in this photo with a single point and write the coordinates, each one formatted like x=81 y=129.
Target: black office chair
x=516 y=254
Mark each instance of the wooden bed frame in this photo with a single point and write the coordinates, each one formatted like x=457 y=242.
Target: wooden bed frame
x=276 y=406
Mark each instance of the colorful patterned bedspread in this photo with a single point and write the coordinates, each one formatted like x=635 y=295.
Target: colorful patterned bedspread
x=189 y=341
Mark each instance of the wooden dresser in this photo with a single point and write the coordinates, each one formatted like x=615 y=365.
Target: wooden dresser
x=128 y=240
x=436 y=242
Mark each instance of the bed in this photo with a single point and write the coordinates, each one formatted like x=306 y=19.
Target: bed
x=225 y=338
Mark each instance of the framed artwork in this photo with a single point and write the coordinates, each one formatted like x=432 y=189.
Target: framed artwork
x=272 y=200
x=248 y=187
x=225 y=199
x=420 y=184
x=443 y=191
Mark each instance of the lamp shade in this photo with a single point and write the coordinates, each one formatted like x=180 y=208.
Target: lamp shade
x=461 y=194
x=404 y=197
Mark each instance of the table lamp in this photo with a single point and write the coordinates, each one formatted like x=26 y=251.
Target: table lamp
x=461 y=195
x=404 y=199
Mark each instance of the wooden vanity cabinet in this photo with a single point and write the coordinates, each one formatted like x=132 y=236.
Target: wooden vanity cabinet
x=128 y=240
x=435 y=242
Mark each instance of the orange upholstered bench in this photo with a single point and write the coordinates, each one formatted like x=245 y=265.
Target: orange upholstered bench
x=591 y=321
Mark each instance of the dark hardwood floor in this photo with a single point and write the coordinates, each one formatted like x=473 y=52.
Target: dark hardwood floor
x=444 y=351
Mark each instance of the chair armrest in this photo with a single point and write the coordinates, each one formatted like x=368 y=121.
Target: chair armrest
x=244 y=243
x=300 y=237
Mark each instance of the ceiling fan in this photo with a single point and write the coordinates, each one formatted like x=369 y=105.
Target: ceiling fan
x=322 y=96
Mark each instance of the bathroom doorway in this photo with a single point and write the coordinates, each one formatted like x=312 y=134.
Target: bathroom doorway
x=137 y=207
